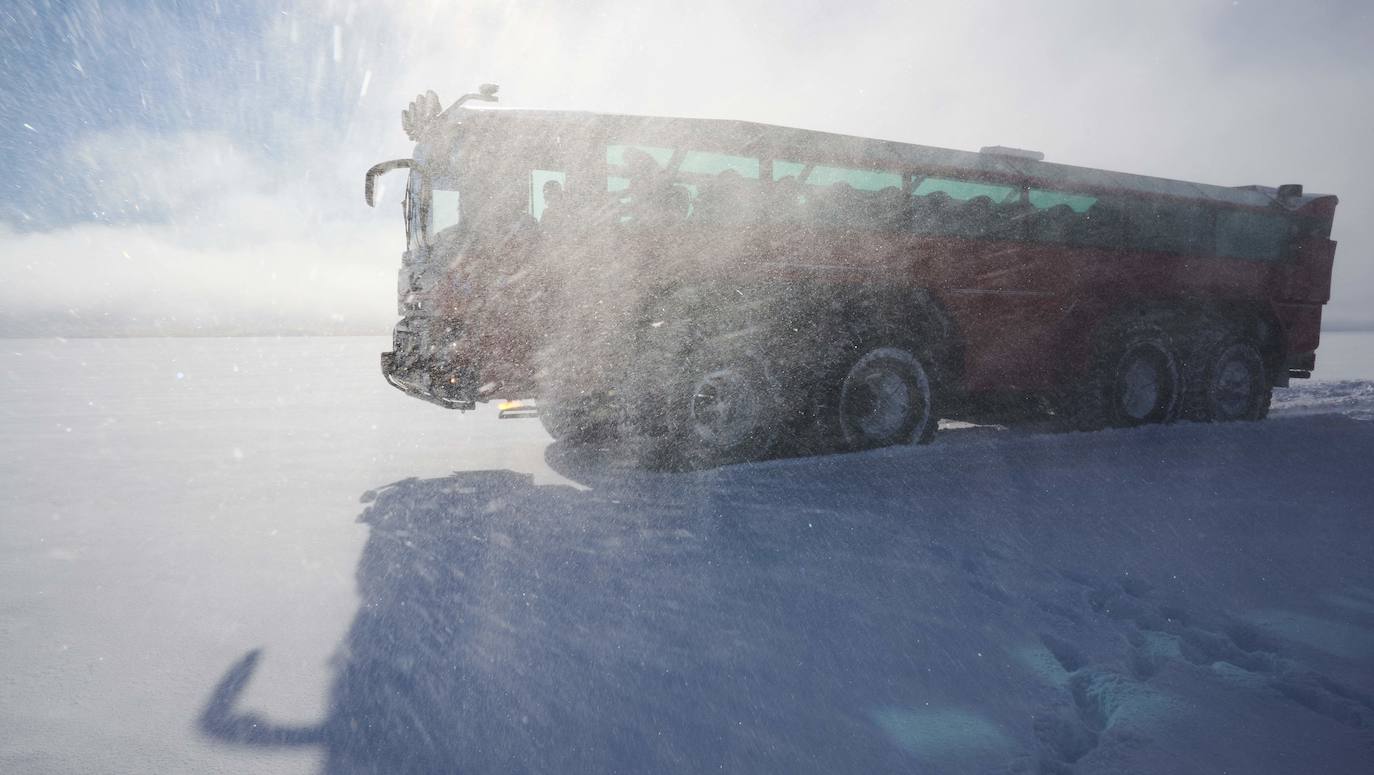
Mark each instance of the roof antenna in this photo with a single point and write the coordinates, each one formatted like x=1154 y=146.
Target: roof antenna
x=1012 y=153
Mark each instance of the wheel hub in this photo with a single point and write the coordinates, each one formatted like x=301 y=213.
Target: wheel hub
x=1234 y=388
x=725 y=408
x=1140 y=389
x=884 y=399
x=1146 y=387
x=879 y=403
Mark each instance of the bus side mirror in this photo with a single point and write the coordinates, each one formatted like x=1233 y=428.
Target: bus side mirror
x=370 y=182
x=485 y=93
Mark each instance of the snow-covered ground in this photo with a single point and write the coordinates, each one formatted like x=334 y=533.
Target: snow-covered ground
x=251 y=555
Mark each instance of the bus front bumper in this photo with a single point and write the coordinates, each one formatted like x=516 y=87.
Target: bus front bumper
x=416 y=381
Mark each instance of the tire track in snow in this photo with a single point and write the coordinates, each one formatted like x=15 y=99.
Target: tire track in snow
x=1159 y=633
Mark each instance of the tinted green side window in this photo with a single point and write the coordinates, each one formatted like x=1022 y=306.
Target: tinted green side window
x=789 y=198
x=862 y=180
x=1044 y=200
x=615 y=154
x=720 y=187
x=1169 y=227
x=964 y=190
x=706 y=185
x=1058 y=216
x=966 y=208
x=1102 y=226
x=1258 y=236
x=622 y=155
x=707 y=163
x=836 y=195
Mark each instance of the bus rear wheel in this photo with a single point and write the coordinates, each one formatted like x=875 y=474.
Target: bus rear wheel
x=1227 y=382
x=885 y=397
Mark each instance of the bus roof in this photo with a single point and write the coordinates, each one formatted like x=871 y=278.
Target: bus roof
x=831 y=148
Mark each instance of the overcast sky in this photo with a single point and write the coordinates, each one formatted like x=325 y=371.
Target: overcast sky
x=184 y=169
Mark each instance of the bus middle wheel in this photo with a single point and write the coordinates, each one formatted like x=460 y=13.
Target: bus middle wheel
x=1144 y=385
x=885 y=398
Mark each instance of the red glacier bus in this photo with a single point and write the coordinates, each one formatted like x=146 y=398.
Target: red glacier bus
x=716 y=286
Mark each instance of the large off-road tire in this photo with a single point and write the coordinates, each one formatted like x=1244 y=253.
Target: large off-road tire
x=1134 y=379
x=575 y=420
x=885 y=396
x=1225 y=379
x=721 y=408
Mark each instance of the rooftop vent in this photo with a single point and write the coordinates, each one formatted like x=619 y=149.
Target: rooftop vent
x=1290 y=191
x=1013 y=153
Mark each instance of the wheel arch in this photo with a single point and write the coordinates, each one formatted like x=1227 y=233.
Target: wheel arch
x=1179 y=317
x=915 y=316
x=1258 y=322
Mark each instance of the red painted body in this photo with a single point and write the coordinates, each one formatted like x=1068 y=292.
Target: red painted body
x=1022 y=312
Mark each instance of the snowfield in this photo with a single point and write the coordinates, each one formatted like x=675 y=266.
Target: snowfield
x=251 y=555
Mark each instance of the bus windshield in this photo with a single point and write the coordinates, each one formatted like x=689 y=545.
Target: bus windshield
x=482 y=203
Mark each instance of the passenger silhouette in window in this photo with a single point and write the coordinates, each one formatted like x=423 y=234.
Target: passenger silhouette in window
x=644 y=191
x=722 y=198
x=555 y=216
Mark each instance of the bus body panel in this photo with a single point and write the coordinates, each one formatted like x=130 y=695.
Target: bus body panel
x=1022 y=309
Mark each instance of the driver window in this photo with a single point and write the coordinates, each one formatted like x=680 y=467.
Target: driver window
x=547 y=189
x=443 y=210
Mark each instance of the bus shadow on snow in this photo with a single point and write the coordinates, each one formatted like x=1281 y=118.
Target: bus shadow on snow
x=819 y=614
x=506 y=626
